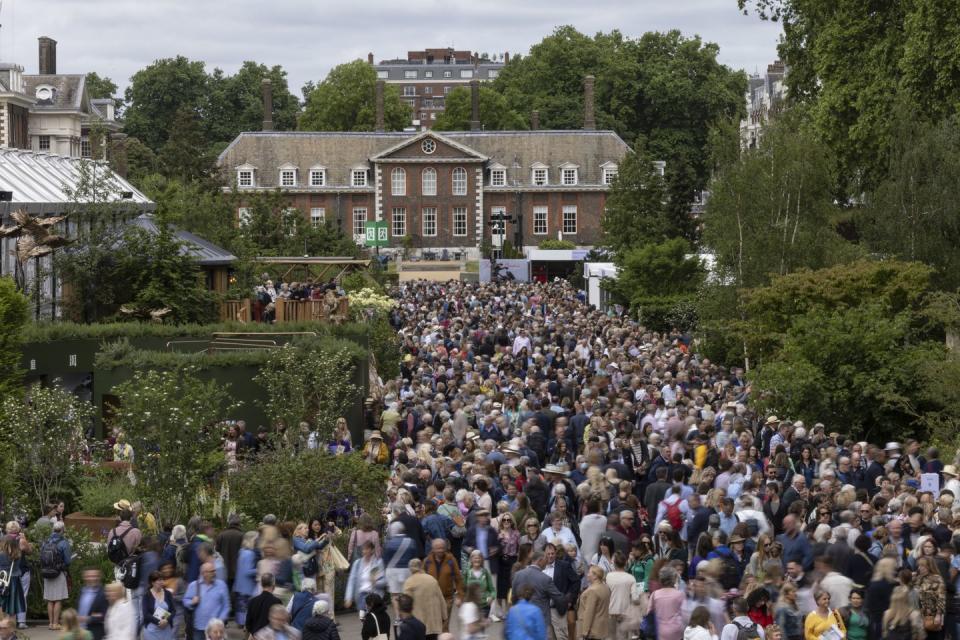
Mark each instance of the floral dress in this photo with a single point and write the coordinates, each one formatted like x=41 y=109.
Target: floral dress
x=932 y=595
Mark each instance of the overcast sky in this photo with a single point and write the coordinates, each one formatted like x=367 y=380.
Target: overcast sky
x=308 y=37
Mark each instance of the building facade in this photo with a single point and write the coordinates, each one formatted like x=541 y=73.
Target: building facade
x=52 y=113
x=426 y=77
x=436 y=191
x=765 y=97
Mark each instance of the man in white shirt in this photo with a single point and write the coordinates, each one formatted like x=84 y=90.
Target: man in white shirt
x=834 y=583
x=620 y=583
x=740 y=621
x=522 y=341
x=592 y=527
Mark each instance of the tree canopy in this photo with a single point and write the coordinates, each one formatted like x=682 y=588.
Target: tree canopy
x=495 y=113
x=345 y=101
x=636 y=212
x=13 y=315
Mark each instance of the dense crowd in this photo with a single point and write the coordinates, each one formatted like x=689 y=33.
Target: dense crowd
x=559 y=472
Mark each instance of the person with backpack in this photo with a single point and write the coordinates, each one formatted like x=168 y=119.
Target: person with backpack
x=208 y=598
x=55 y=557
x=124 y=539
x=673 y=509
x=741 y=627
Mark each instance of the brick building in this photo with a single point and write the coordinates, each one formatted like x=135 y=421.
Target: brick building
x=426 y=77
x=438 y=191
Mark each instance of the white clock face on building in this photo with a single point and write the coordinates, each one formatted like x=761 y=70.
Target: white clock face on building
x=428 y=146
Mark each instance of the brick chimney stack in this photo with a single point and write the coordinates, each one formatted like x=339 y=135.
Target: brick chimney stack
x=267 y=88
x=474 y=105
x=379 y=105
x=370 y=58
x=48 y=56
x=534 y=120
x=589 y=121
x=506 y=57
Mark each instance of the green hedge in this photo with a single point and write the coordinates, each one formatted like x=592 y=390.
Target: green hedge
x=54 y=331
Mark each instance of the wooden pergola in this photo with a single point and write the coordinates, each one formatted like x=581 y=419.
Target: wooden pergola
x=316 y=269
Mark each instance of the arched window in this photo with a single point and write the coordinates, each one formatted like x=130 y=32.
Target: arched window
x=429 y=179
x=459 y=181
x=398 y=182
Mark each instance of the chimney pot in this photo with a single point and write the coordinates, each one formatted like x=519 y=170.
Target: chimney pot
x=380 y=127
x=48 y=55
x=474 y=105
x=589 y=120
x=267 y=88
x=534 y=120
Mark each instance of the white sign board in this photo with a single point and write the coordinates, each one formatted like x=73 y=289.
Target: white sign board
x=930 y=482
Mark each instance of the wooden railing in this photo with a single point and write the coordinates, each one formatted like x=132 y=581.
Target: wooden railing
x=289 y=311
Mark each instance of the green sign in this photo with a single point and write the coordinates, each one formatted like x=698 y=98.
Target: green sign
x=376 y=234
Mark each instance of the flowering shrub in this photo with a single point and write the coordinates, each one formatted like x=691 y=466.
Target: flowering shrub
x=367 y=304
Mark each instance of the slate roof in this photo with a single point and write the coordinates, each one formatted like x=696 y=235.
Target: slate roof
x=340 y=152
x=203 y=251
x=69 y=90
x=41 y=179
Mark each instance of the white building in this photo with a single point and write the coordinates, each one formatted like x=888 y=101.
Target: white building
x=765 y=96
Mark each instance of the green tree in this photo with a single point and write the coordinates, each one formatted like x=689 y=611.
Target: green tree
x=913 y=214
x=235 y=103
x=193 y=206
x=345 y=101
x=303 y=485
x=171 y=419
x=158 y=92
x=13 y=315
x=185 y=154
x=309 y=382
x=495 y=114
x=102 y=87
x=273 y=228
x=49 y=428
x=772 y=211
x=658 y=282
x=636 y=212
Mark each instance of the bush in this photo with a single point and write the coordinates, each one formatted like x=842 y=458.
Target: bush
x=86 y=554
x=553 y=243
x=98 y=495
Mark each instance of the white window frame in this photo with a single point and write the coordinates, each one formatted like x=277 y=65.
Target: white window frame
x=409 y=91
x=538 y=180
x=569 y=210
x=458 y=181
x=458 y=218
x=359 y=218
x=609 y=174
x=498 y=177
x=541 y=221
x=288 y=177
x=383 y=75
x=428 y=214
x=466 y=73
x=398 y=182
x=318 y=177
x=410 y=74
x=448 y=74
x=428 y=74
x=243 y=216
x=86 y=151
x=493 y=73
x=241 y=174
x=398 y=222
x=428 y=182
x=428 y=90
x=318 y=216
x=568 y=176
x=358 y=177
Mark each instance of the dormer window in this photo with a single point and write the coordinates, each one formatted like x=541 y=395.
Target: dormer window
x=245 y=177
x=498 y=177
x=288 y=177
x=609 y=172
x=568 y=175
x=358 y=178
x=539 y=175
x=45 y=93
x=318 y=177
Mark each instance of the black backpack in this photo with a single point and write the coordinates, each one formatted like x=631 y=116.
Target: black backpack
x=117 y=548
x=747 y=633
x=51 y=560
x=129 y=572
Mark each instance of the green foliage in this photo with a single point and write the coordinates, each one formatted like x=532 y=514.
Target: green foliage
x=914 y=214
x=345 y=101
x=13 y=317
x=48 y=428
x=849 y=346
x=358 y=280
x=495 y=113
x=102 y=87
x=275 y=229
x=158 y=92
x=99 y=494
x=771 y=212
x=385 y=347
x=636 y=212
x=171 y=420
x=658 y=282
x=193 y=206
x=310 y=483
x=553 y=243
x=305 y=382
x=235 y=102
x=185 y=154
x=87 y=554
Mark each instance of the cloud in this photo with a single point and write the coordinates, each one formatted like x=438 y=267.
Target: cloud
x=307 y=37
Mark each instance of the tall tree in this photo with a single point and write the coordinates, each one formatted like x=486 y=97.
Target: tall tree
x=186 y=155
x=13 y=315
x=772 y=211
x=235 y=103
x=102 y=87
x=636 y=212
x=345 y=101
x=495 y=114
x=914 y=214
x=158 y=92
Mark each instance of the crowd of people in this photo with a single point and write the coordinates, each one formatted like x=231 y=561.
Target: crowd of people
x=265 y=296
x=559 y=472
